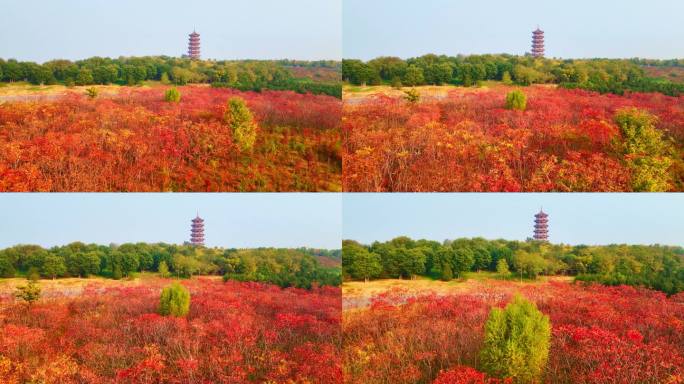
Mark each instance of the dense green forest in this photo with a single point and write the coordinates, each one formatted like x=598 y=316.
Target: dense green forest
x=284 y=267
x=252 y=75
x=653 y=266
x=601 y=75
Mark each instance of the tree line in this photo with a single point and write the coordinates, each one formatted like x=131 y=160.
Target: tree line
x=253 y=75
x=284 y=267
x=601 y=75
x=654 y=266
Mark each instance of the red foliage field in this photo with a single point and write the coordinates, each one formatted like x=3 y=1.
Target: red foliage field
x=600 y=335
x=674 y=74
x=135 y=141
x=317 y=73
x=468 y=141
x=235 y=333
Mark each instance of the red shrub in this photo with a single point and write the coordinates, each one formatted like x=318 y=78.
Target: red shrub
x=466 y=375
x=600 y=335
x=469 y=142
x=135 y=141
x=234 y=333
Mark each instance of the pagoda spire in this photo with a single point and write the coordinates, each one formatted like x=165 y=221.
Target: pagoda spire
x=538 y=43
x=194 y=45
x=197 y=231
x=541 y=226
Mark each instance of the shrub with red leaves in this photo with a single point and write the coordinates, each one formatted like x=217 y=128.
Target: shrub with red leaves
x=135 y=141
x=467 y=375
x=600 y=334
x=467 y=141
x=234 y=333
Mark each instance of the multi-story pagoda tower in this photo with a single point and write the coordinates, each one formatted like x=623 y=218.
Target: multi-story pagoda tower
x=541 y=226
x=538 y=43
x=194 y=46
x=197 y=231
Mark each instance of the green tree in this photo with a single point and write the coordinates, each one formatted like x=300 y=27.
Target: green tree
x=186 y=266
x=84 y=77
x=163 y=269
x=516 y=100
x=516 y=343
x=442 y=73
x=6 y=266
x=83 y=263
x=117 y=274
x=174 y=301
x=447 y=272
x=466 y=74
x=39 y=74
x=412 y=262
x=464 y=259
x=33 y=274
x=129 y=262
x=90 y=263
x=528 y=264
x=414 y=76
x=53 y=266
x=13 y=71
x=506 y=78
x=172 y=95
x=482 y=258
x=366 y=265
x=165 y=78
x=240 y=119
x=502 y=268
x=646 y=150
x=105 y=74
x=30 y=292
x=525 y=75
x=181 y=76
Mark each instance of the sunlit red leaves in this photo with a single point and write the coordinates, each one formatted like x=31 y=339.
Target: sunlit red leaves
x=594 y=355
x=135 y=141
x=601 y=335
x=467 y=141
x=467 y=375
x=232 y=335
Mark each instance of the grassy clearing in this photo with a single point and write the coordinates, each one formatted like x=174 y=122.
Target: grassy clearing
x=358 y=293
x=356 y=93
x=74 y=286
x=27 y=89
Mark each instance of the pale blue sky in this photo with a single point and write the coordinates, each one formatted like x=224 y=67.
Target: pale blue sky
x=574 y=29
x=41 y=30
x=232 y=220
x=576 y=218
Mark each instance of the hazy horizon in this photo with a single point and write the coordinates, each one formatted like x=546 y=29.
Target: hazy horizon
x=33 y=30
x=450 y=27
x=234 y=220
x=574 y=219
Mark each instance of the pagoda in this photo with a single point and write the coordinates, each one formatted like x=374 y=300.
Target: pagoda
x=541 y=226
x=194 y=46
x=197 y=231
x=538 y=43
